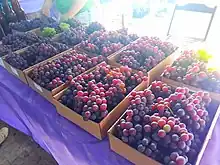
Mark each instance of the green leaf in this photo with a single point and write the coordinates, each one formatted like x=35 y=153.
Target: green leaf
x=48 y=32
x=64 y=26
x=203 y=55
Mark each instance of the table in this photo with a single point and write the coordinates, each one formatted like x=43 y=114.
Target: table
x=27 y=111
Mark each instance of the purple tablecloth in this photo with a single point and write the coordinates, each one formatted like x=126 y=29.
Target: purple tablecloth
x=30 y=113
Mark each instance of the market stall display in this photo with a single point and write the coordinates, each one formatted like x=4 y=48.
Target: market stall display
x=30 y=113
x=98 y=78
x=169 y=125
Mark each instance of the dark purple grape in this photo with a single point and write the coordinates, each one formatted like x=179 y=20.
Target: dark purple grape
x=148 y=152
x=141 y=148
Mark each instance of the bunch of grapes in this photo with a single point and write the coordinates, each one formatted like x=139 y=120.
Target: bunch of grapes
x=62 y=70
x=106 y=43
x=16 y=60
x=27 y=25
x=73 y=22
x=95 y=94
x=190 y=70
x=189 y=108
x=35 y=54
x=14 y=42
x=94 y=26
x=171 y=118
x=4 y=49
x=168 y=132
x=73 y=37
x=145 y=53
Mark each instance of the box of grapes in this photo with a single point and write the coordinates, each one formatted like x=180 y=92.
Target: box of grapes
x=18 y=62
x=51 y=76
x=192 y=69
x=3 y=55
x=95 y=100
x=147 y=54
x=17 y=43
x=165 y=125
x=106 y=43
x=16 y=72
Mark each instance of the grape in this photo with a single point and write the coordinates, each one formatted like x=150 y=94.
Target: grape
x=148 y=152
x=153 y=146
x=141 y=148
x=145 y=141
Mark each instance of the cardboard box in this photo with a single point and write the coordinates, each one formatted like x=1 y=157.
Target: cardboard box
x=16 y=72
x=1 y=62
x=99 y=130
x=36 y=31
x=138 y=158
x=155 y=72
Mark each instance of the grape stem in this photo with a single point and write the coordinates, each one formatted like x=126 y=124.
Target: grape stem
x=170 y=110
